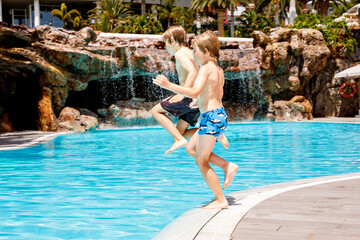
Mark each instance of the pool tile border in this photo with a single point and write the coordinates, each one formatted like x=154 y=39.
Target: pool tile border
x=199 y=224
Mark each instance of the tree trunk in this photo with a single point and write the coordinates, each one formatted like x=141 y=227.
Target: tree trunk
x=143 y=7
x=324 y=8
x=221 y=22
x=277 y=12
x=232 y=27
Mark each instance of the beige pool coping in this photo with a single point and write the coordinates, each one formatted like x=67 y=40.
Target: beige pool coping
x=199 y=224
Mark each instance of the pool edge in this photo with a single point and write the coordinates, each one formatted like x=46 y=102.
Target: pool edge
x=221 y=224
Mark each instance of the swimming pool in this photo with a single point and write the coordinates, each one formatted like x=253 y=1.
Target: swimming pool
x=118 y=184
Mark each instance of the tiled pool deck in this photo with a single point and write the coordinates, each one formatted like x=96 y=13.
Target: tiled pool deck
x=317 y=208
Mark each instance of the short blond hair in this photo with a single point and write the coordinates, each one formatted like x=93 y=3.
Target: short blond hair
x=208 y=40
x=177 y=32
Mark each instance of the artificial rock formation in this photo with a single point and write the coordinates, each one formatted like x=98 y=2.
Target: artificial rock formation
x=291 y=58
x=40 y=67
x=44 y=69
x=297 y=62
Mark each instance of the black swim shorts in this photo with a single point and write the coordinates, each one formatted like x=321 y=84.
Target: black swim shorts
x=182 y=110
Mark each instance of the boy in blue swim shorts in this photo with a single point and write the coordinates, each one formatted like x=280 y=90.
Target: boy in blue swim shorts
x=208 y=89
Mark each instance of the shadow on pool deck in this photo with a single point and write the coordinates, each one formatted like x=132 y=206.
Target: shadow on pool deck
x=23 y=139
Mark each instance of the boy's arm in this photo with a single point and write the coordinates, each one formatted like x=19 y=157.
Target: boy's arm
x=191 y=92
x=188 y=65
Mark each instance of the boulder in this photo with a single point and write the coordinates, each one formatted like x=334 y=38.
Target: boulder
x=260 y=39
x=10 y=38
x=68 y=114
x=71 y=120
x=5 y=123
x=89 y=123
x=297 y=109
x=87 y=34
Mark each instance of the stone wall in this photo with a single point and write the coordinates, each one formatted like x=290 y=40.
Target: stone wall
x=297 y=62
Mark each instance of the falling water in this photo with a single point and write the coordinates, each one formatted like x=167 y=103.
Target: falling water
x=246 y=87
x=130 y=79
x=154 y=92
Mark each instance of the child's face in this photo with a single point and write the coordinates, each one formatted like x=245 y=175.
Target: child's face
x=170 y=47
x=200 y=56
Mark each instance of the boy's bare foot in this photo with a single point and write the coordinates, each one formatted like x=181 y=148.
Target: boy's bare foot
x=223 y=141
x=229 y=174
x=176 y=145
x=216 y=204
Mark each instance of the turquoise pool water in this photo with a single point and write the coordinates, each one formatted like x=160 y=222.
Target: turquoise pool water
x=118 y=184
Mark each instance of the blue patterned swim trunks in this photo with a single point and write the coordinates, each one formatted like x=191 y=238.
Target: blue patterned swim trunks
x=213 y=122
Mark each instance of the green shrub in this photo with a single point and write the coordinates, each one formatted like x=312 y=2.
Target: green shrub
x=251 y=21
x=337 y=35
x=141 y=25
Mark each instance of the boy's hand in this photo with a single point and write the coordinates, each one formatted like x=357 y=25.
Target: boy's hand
x=193 y=104
x=161 y=81
x=176 y=98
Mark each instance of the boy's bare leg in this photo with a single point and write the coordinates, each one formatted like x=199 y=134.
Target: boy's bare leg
x=181 y=126
x=223 y=141
x=159 y=114
x=204 y=147
x=229 y=168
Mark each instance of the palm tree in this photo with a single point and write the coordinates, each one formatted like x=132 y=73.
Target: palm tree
x=166 y=12
x=322 y=7
x=219 y=7
x=277 y=8
x=108 y=13
x=143 y=7
x=184 y=17
x=64 y=15
x=78 y=23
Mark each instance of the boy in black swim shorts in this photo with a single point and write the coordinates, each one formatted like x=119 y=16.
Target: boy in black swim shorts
x=184 y=108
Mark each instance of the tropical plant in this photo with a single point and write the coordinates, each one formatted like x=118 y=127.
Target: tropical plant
x=184 y=17
x=219 y=7
x=141 y=25
x=337 y=35
x=342 y=6
x=167 y=12
x=78 y=23
x=108 y=14
x=66 y=16
x=277 y=9
x=250 y=21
